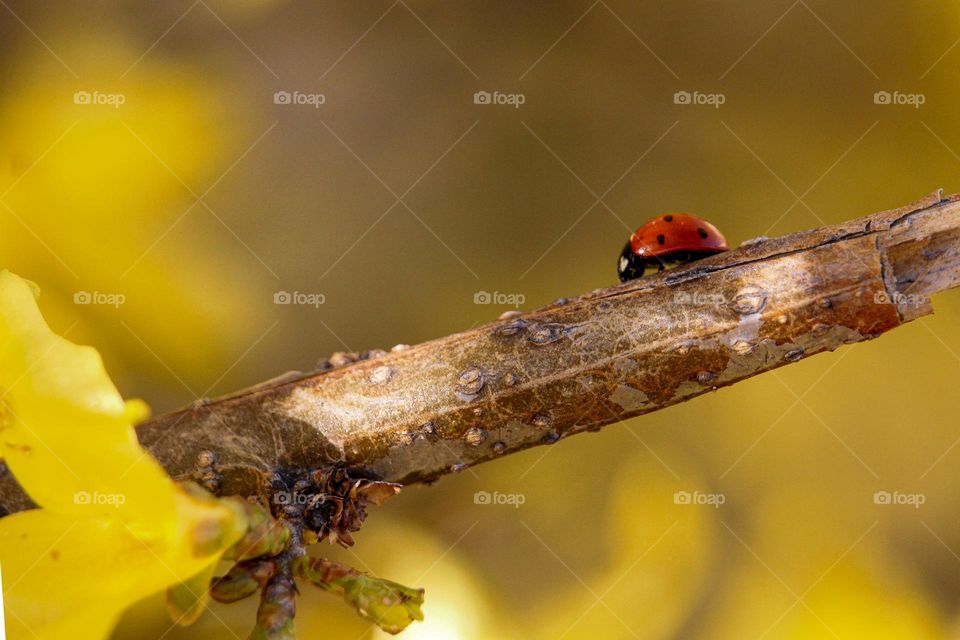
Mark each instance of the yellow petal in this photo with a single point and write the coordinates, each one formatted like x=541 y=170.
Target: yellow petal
x=65 y=432
x=113 y=526
x=69 y=577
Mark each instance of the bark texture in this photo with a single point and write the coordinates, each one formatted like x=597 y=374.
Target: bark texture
x=531 y=378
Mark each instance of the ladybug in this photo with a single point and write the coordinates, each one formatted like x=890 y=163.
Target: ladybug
x=674 y=238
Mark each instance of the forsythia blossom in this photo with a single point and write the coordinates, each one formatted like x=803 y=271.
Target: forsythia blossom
x=112 y=527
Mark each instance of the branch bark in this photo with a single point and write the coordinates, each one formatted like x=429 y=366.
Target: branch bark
x=420 y=412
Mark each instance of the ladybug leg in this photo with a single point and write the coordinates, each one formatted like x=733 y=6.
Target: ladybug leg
x=661 y=265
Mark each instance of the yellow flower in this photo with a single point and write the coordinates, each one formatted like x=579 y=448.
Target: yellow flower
x=112 y=527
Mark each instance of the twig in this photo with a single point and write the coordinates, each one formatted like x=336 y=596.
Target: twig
x=531 y=378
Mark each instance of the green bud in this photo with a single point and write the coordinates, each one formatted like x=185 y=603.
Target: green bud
x=265 y=535
x=211 y=533
x=389 y=605
x=241 y=581
x=276 y=611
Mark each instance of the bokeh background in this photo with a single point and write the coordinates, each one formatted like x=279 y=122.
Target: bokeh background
x=185 y=209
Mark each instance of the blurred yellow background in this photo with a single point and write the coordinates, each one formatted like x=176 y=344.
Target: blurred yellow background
x=161 y=193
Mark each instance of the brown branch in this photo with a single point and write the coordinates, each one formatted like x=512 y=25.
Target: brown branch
x=532 y=378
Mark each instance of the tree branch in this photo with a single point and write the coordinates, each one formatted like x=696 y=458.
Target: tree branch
x=532 y=378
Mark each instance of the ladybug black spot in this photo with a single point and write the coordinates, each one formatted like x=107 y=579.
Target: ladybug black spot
x=668 y=218
x=702 y=233
x=661 y=239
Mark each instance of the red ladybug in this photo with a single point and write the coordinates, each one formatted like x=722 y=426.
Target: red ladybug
x=671 y=238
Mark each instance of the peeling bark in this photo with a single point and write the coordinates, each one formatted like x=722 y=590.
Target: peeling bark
x=531 y=378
